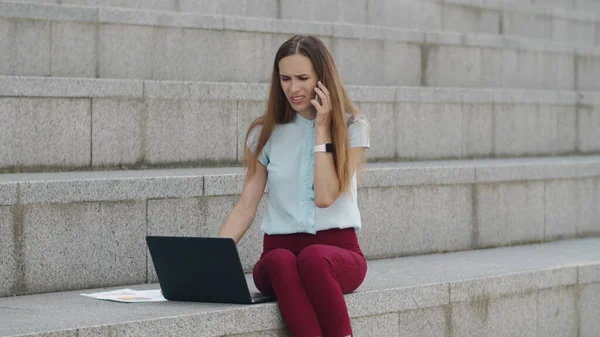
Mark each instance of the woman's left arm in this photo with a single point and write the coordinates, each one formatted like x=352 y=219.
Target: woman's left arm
x=326 y=181
x=327 y=184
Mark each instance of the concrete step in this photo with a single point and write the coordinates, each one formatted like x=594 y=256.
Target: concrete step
x=63 y=41
x=550 y=289
x=75 y=230
x=580 y=5
x=511 y=18
x=92 y=124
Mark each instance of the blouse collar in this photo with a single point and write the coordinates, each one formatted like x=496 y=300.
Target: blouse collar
x=299 y=119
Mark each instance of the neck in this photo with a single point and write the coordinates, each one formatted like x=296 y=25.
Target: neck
x=310 y=114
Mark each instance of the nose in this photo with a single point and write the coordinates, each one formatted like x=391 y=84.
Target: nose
x=295 y=86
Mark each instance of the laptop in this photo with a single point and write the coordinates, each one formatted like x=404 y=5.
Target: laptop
x=201 y=269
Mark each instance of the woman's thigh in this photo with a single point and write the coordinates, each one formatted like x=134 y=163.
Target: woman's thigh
x=271 y=264
x=347 y=267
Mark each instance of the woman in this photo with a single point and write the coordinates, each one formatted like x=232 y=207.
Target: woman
x=308 y=145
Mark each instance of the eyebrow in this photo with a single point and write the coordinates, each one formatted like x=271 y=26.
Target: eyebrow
x=294 y=75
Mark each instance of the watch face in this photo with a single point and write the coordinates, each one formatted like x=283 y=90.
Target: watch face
x=329 y=147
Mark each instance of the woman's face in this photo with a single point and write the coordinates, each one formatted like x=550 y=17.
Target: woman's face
x=298 y=80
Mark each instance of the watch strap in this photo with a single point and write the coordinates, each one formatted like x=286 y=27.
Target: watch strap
x=325 y=147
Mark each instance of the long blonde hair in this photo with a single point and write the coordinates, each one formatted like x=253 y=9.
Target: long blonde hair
x=279 y=110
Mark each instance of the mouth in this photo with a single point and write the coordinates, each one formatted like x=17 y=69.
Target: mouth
x=296 y=99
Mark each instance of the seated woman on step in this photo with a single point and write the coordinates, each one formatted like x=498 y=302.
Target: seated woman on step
x=308 y=145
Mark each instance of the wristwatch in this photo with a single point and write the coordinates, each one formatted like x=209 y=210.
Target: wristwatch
x=325 y=147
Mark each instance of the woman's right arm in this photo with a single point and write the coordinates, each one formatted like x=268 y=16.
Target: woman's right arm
x=239 y=219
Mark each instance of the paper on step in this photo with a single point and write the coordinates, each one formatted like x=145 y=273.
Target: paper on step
x=129 y=296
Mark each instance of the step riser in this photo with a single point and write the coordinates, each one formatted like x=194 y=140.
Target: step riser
x=462 y=16
x=55 y=247
x=70 y=49
x=546 y=303
x=532 y=314
x=180 y=128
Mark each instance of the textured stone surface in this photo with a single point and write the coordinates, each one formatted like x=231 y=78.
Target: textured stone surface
x=527 y=25
x=7 y=28
x=405 y=14
x=30 y=56
x=588 y=128
x=589 y=273
x=69 y=87
x=428 y=130
x=556 y=312
x=403 y=62
x=588 y=197
x=451 y=66
x=395 y=299
x=55 y=129
x=247 y=112
x=498 y=67
x=470 y=19
x=391 y=286
x=116 y=132
x=376 y=326
x=270 y=333
x=589 y=310
x=72 y=187
x=8 y=244
x=559 y=72
x=561 y=208
x=477 y=129
x=158 y=18
x=518 y=282
x=33 y=11
x=418 y=173
x=8 y=193
x=73 y=49
x=580 y=32
x=169 y=57
x=587 y=68
x=83 y=246
x=531 y=168
x=420 y=220
x=528 y=129
x=508 y=213
x=507 y=316
x=232 y=321
x=430 y=322
x=181 y=39
x=191 y=131
x=227 y=7
x=311 y=10
x=142 y=4
x=382 y=117
x=226 y=181
x=530 y=70
x=195 y=48
x=125 y=51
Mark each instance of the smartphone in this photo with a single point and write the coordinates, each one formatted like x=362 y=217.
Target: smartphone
x=317 y=98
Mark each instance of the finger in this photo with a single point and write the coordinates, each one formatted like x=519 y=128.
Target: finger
x=315 y=104
x=323 y=88
x=321 y=94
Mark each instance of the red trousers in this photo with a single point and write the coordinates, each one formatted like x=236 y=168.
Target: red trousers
x=308 y=274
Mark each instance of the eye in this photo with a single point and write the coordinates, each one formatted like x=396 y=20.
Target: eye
x=285 y=79
x=303 y=78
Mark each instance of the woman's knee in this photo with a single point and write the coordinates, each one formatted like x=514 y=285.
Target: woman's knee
x=313 y=259
x=278 y=259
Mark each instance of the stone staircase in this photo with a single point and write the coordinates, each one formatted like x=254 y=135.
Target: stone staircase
x=480 y=205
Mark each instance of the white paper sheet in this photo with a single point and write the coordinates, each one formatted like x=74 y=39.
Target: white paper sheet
x=129 y=296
